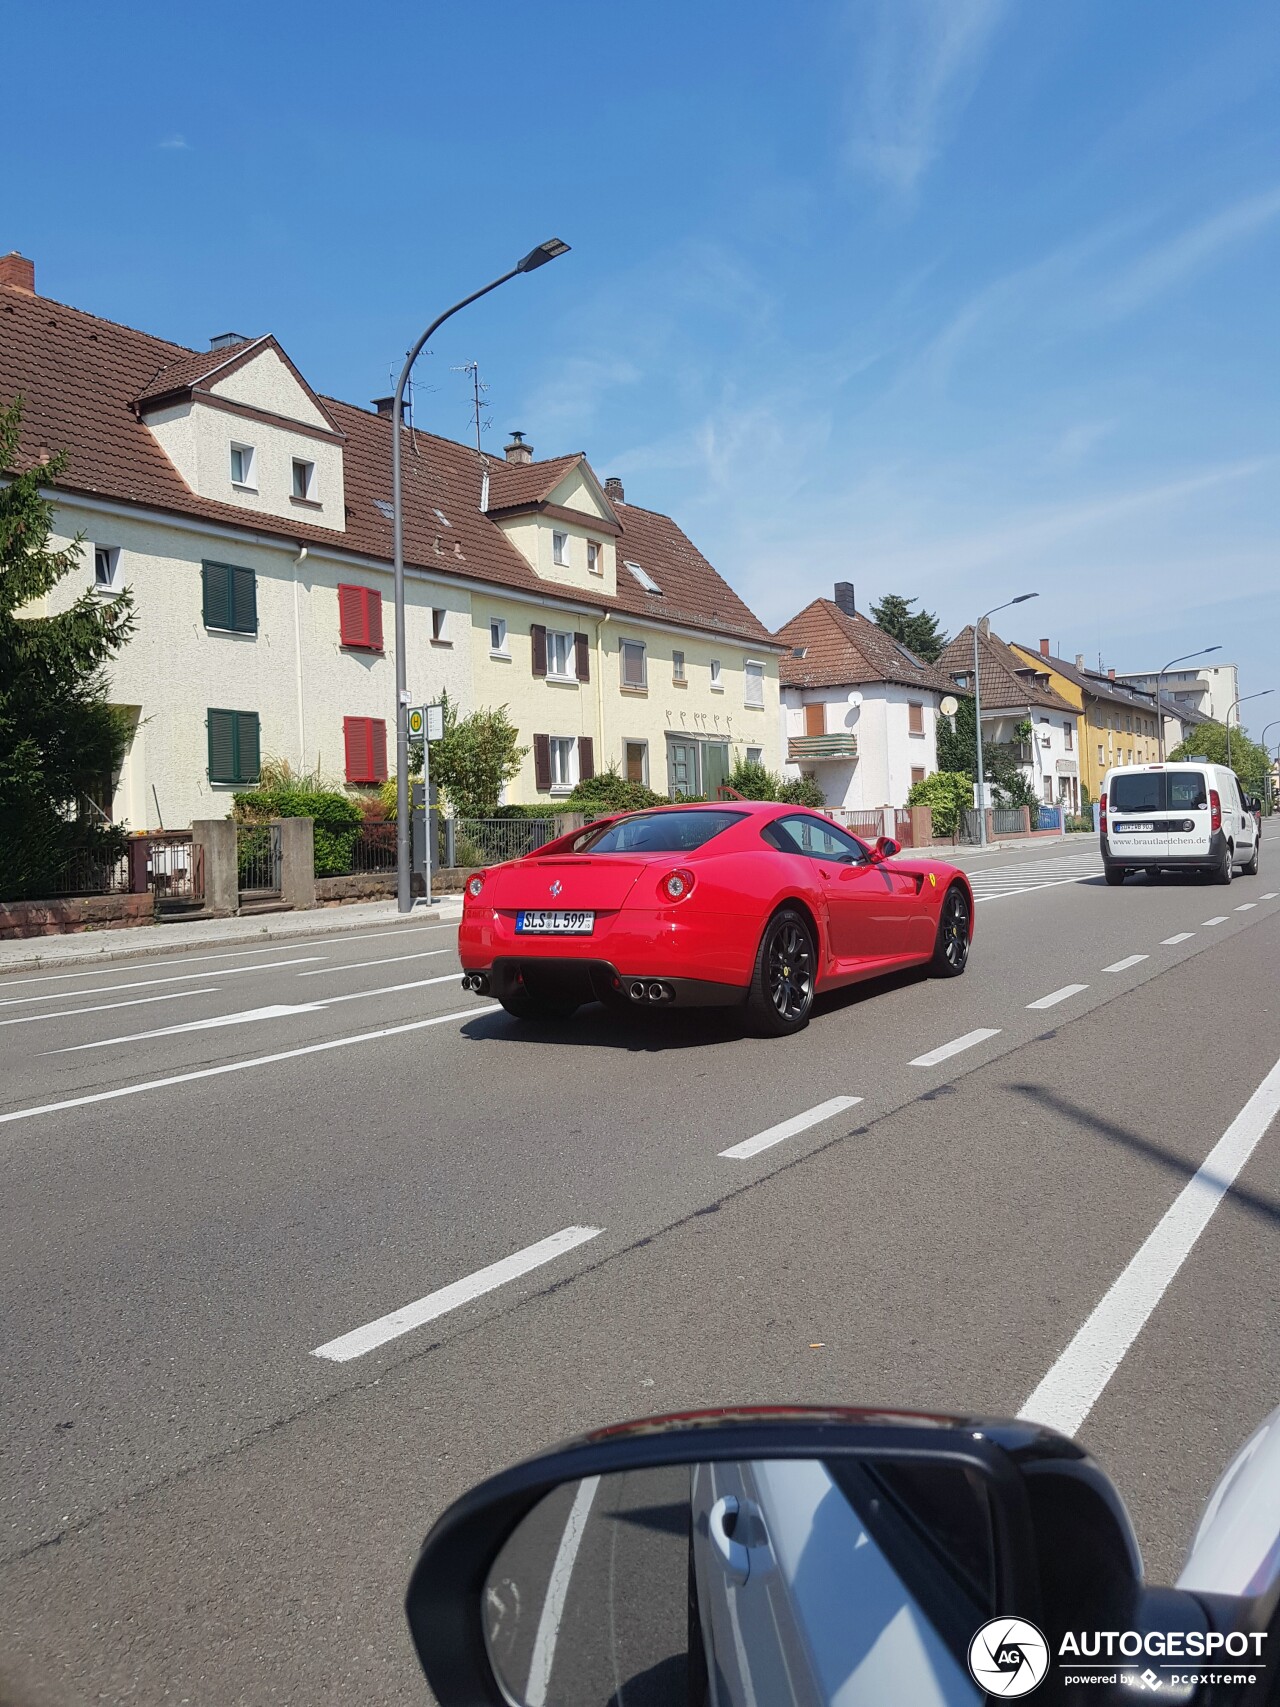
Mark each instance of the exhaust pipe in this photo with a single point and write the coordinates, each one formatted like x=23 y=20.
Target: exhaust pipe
x=477 y=982
x=658 y=993
x=636 y=991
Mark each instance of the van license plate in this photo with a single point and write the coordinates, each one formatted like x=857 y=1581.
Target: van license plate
x=1138 y=829
x=548 y=923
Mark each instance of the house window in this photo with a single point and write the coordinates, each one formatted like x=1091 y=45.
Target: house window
x=644 y=578
x=560 y=549
x=717 y=686
x=917 y=774
x=304 y=480
x=437 y=625
x=230 y=598
x=961 y=681
x=106 y=562
x=915 y=718
x=360 y=617
x=498 y=636
x=677 y=667
x=365 y=742
x=1048 y=791
x=1068 y=735
x=234 y=746
x=755 y=755
x=560 y=659
x=563 y=752
x=636 y=761
x=633 y=665
x=753 y=683
x=595 y=557
x=1101 y=760
x=815 y=719
x=242 y=470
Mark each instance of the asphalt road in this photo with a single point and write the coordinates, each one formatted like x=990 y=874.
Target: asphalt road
x=218 y=1164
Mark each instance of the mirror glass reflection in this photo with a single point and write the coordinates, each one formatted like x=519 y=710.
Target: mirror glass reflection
x=778 y=1583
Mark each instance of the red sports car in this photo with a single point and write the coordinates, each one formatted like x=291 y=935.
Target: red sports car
x=737 y=903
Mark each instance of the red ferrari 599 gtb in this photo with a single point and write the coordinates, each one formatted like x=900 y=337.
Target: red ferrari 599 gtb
x=737 y=903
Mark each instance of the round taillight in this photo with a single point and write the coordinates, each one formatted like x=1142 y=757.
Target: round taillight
x=678 y=884
x=475 y=884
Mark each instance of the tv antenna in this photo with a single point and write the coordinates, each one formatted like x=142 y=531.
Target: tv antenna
x=479 y=406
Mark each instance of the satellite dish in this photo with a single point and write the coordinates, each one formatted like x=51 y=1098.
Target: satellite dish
x=949 y=706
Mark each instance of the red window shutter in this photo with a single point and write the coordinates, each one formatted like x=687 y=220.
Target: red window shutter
x=373 y=617
x=355 y=744
x=539 y=634
x=542 y=760
x=586 y=755
x=351 y=616
x=377 y=746
x=582 y=657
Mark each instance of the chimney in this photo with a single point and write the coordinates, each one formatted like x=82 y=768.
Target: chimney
x=613 y=490
x=15 y=269
x=518 y=451
x=384 y=406
x=1044 y=649
x=1079 y=660
x=844 y=598
x=1111 y=676
x=226 y=340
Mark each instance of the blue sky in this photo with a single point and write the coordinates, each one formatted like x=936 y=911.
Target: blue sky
x=950 y=298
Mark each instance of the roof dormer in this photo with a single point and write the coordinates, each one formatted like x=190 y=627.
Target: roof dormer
x=242 y=427
x=557 y=516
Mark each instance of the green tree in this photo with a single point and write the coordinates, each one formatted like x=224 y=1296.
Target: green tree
x=957 y=741
x=1249 y=760
x=60 y=740
x=918 y=630
x=802 y=791
x=474 y=757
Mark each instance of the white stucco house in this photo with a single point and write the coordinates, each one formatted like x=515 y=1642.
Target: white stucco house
x=1015 y=692
x=859 y=711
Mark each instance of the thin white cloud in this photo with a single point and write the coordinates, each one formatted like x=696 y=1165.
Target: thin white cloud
x=174 y=141
x=1199 y=246
x=921 y=63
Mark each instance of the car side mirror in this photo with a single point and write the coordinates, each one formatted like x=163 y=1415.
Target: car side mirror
x=885 y=848
x=929 y=1552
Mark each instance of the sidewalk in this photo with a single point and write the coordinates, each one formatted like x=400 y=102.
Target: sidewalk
x=93 y=948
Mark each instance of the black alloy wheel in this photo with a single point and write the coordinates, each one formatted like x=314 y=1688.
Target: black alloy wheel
x=782 y=986
x=951 y=950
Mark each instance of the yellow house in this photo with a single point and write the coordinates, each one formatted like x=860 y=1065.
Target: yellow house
x=1115 y=724
x=637 y=655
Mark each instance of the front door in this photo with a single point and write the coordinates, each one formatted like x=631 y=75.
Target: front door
x=682 y=767
x=715 y=766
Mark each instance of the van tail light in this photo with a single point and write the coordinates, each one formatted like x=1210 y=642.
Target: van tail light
x=676 y=884
x=1102 y=811
x=475 y=883
x=1215 y=809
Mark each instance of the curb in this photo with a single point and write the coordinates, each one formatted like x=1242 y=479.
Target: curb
x=317 y=923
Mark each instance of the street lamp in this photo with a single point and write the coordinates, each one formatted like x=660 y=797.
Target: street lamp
x=977 y=709
x=1261 y=694
x=1274 y=724
x=1204 y=653
x=538 y=257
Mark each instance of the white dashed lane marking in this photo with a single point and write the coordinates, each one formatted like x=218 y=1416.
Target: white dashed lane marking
x=788 y=1128
x=946 y=1050
x=1217 y=919
x=1128 y=961
x=1182 y=936
x=1056 y=996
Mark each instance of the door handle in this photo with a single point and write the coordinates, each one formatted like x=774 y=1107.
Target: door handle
x=823 y=872
x=734 y=1559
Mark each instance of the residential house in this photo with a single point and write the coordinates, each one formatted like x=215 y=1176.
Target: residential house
x=1115 y=725
x=1017 y=692
x=1208 y=689
x=251 y=519
x=859 y=711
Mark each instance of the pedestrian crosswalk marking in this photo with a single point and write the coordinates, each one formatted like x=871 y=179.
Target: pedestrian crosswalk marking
x=1040 y=874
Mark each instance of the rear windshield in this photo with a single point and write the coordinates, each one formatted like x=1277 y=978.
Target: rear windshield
x=1158 y=791
x=659 y=832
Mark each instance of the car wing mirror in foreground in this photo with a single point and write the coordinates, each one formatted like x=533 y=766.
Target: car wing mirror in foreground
x=804 y=1557
x=885 y=848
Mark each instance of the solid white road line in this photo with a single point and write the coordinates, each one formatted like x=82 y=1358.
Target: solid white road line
x=1072 y=1387
x=243 y=1066
x=359 y=965
x=149 y=983
x=956 y=1046
x=1246 y=906
x=789 y=1128
x=108 y=1007
x=1056 y=996
x=246 y=1016
x=373 y=1334
x=1217 y=919
x=1124 y=965
x=548 y=1631
x=391 y=989
x=1182 y=936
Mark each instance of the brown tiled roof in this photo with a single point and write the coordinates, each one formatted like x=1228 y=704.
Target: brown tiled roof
x=1100 y=687
x=512 y=483
x=1002 y=687
x=80 y=376
x=188 y=369
x=840 y=648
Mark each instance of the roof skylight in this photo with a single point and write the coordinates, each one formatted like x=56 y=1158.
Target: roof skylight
x=645 y=579
x=384 y=507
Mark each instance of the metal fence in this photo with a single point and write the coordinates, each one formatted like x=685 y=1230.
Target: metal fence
x=374 y=848
x=258 y=858
x=866 y=822
x=171 y=866
x=904 y=827
x=970 y=826
x=489 y=841
x=1008 y=821
x=1050 y=818
x=88 y=873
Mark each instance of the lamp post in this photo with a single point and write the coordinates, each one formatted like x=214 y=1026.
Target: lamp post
x=1203 y=653
x=977 y=710
x=1261 y=694
x=538 y=257
x=1274 y=724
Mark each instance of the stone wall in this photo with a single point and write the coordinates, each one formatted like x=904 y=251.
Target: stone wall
x=75 y=913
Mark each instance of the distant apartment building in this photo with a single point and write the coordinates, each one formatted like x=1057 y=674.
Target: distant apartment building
x=1208 y=689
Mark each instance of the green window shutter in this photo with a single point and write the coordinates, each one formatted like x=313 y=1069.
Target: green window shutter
x=217 y=595
x=248 y=757
x=244 y=601
x=222 y=746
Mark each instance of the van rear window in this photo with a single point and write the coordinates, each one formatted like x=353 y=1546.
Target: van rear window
x=1158 y=791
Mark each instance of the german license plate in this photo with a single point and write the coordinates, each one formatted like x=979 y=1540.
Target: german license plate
x=548 y=923
x=1138 y=829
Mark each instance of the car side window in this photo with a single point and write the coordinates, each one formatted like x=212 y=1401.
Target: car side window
x=813 y=839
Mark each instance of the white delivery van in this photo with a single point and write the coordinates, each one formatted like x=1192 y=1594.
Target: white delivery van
x=1176 y=817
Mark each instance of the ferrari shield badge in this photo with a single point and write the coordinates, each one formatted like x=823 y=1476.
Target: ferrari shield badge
x=933 y=881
